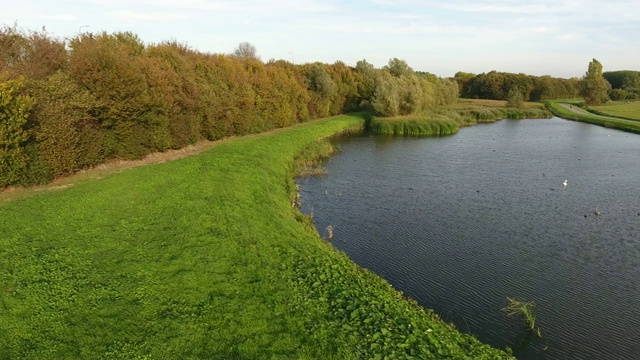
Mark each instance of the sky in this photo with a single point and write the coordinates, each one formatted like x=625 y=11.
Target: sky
x=535 y=37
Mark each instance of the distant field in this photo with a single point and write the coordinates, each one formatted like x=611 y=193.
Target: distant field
x=483 y=103
x=623 y=109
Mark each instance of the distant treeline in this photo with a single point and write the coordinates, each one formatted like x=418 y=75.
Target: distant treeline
x=625 y=84
x=71 y=104
x=496 y=86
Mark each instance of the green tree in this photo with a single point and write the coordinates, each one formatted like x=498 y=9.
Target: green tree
x=617 y=94
x=398 y=67
x=386 y=101
x=463 y=79
x=14 y=113
x=322 y=87
x=594 y=88
x=367 y=75
x=515 y=98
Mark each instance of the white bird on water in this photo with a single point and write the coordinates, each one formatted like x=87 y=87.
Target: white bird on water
x=565 y=183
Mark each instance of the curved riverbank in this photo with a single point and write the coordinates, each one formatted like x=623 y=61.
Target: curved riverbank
x=566 y=110
x=202 y=257
x=461 y=222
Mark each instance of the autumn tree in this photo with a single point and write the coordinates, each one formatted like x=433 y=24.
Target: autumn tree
x=14 y=112
x=175 y=79
x=108 y=65
x=68 y=136
x=33 y=54
x=594 y=87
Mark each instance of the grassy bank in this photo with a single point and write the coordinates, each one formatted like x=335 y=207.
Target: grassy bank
x=578 y=114
x=622 y=109
x=202 y=257
x=448 y=119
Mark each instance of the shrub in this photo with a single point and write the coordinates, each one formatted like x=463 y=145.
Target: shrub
x=14 y=113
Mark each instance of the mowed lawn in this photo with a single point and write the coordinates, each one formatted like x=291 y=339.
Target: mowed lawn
x=623 y=109
x=200 y=258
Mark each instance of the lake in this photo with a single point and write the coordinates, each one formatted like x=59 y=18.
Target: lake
x=459 y=223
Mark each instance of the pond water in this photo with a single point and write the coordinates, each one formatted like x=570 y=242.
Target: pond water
x=459 y=223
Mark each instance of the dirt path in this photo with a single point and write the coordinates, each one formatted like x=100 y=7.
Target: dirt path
x=116 y=166
x=102 y=170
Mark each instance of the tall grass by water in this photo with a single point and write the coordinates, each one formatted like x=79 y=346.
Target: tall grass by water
x=524 y=309
x=449 y=119
x=202 y=257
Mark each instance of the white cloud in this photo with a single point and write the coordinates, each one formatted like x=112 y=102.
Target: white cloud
x=567 y=37
x=432 y=35
x=399 y=29
x=148 y=16
x=258 y=7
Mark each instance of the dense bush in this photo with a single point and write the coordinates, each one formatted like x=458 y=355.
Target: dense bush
x=14 y=112
x=496 y=86
x=399 y=90
x=69 y=105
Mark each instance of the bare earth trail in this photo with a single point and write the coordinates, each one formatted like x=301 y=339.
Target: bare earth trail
x=118 y=165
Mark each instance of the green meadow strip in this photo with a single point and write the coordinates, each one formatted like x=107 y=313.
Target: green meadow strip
x=621 y=109
x=555 y=106
x=201 y=258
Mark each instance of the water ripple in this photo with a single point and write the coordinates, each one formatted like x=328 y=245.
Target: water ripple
x=459 y=227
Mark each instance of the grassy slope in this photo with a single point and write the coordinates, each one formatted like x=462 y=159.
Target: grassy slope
x=621 y=109
x=202 y=257
x=621 y=124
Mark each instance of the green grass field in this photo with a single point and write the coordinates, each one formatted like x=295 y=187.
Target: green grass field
x=200 y=258
x=621 y=109
x=578 y=114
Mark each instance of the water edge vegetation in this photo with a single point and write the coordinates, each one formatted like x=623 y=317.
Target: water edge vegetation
x=570 y=109
x=447 y=120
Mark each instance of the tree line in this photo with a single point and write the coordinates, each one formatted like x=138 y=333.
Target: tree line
x=497 y=85
x=625 y=84
x=595 y=86
x=70 y=104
